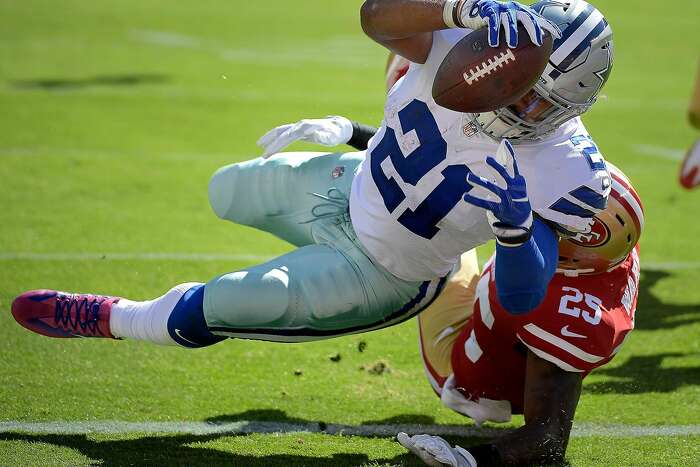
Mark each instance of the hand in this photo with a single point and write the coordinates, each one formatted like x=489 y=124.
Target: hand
x=495 y=14
x=435 y=451
x=330 y=131
x=511 y=215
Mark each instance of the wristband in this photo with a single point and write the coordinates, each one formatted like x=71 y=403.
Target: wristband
x=452 y=12
x=507 y=235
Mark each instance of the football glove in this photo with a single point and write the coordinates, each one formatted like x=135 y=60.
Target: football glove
x=475 y=14
x=509 y=211
x=435 y=451
x=330 y=131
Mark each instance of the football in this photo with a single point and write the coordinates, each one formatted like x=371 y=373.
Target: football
x=475 y=77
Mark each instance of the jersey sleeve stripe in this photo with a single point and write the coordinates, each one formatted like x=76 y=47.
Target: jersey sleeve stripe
x=482 y=294
x=562 y=344
x=551 y=358
x=565 y=206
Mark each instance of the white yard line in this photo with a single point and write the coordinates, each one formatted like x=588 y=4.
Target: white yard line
x=660 y=152
x=347 y=51
x=580 y=430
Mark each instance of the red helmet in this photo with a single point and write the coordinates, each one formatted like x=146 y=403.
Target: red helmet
x=614 y=233
x=396 y=67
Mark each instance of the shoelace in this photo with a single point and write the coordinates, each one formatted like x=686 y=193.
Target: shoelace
x=336 y=204
x=86 y=315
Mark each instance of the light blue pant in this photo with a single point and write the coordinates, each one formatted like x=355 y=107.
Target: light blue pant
x=327 y=287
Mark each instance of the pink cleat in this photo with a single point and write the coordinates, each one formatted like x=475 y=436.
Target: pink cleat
x=60 y=314
x=689 y=177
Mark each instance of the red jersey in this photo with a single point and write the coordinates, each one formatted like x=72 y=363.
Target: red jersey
x=581 y=325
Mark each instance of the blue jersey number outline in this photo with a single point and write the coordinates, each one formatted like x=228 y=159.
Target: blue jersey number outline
x=432 y=150
x=590 y=151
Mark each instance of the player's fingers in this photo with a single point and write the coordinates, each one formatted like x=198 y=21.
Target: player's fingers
x=404 y=440
x=510 y=26
x=547 y=25
x=478 y=202
x=494 y=29
x=281 y=142
x=484 y=183
x=531 y=26
x=514 y=160
x=271 y=135
x=495 y=165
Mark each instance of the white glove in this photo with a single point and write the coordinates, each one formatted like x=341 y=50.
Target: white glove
x=330 y=131
x=435 y=451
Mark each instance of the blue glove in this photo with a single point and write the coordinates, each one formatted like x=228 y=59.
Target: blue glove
x=511 y=215
x=507 y=14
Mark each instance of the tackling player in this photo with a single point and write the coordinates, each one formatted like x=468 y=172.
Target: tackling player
x=488 y=364
x=420 y=196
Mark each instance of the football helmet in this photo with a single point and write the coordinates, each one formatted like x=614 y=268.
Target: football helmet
x=613 y=235
x=396 y=68
x=579 y=66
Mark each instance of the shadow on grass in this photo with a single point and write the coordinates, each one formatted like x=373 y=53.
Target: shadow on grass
x=186 y=450
x=191 y=449
x=643 y=373
x=51 y=84
x=653 y=314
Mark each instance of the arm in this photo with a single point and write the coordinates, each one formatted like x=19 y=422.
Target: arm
x=403 y=26
x=523 y=272
x=551 y=397
x=330 y=131
x=527 y=249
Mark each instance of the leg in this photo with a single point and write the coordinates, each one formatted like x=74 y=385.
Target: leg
x=274 y=194
x=694 y=109
x=315 y=292
x=440 y=324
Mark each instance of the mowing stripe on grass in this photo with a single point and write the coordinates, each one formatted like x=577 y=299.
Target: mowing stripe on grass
x=65 y=256
x=580 y=430
x=25 y=256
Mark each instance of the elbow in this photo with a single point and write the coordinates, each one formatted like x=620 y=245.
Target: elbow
x=368 y=15
x=521 y=303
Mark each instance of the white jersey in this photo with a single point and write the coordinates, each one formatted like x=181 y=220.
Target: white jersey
x=406 y=201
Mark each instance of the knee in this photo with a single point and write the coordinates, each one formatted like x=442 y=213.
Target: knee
x=249 y=299
x=222 y=190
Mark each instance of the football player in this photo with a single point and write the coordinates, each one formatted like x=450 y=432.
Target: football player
x=690 y=168
x=487 y=364
x=378 y=231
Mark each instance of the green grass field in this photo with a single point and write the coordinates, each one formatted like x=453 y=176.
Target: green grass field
x=113 y=115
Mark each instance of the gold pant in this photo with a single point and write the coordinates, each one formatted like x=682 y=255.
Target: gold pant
x=441 y=323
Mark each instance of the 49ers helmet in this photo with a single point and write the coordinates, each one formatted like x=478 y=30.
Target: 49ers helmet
x=614 y=233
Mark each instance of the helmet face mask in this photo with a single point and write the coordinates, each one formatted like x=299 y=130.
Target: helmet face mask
x=576 y=73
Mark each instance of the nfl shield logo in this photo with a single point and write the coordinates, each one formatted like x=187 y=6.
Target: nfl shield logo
x=338 y=172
